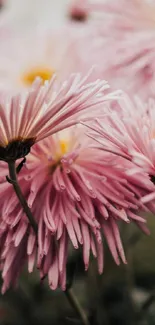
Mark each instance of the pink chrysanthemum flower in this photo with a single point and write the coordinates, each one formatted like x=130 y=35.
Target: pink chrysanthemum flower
x=33 y=54
x=126 y=28
x=129 y=53
x=45 y=109
x=129 y=132
x=76 y=192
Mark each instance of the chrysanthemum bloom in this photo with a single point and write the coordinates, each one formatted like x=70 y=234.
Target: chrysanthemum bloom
x=52 y=52
x=129 y=54
x=25 y=56
x=76 y=192
x=129 y=132
x=44 y=110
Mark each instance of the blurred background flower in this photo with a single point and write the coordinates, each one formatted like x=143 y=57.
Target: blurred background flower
x=127 y=57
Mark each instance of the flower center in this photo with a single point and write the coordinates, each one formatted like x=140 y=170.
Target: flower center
x=43 y=72
x=61 y=150
x=63 y=147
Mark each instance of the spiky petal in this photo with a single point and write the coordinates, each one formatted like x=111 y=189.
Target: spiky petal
x=44 y=110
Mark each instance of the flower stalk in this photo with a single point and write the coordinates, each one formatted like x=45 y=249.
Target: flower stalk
x=14 y=181
x=77 y=307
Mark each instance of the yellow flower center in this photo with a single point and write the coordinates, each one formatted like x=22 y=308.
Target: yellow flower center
x=61 y=150
x=63 y=147
x=42 y=72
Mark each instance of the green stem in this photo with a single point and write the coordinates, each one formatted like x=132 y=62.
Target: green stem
x=76 y=306
x=14 y=181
